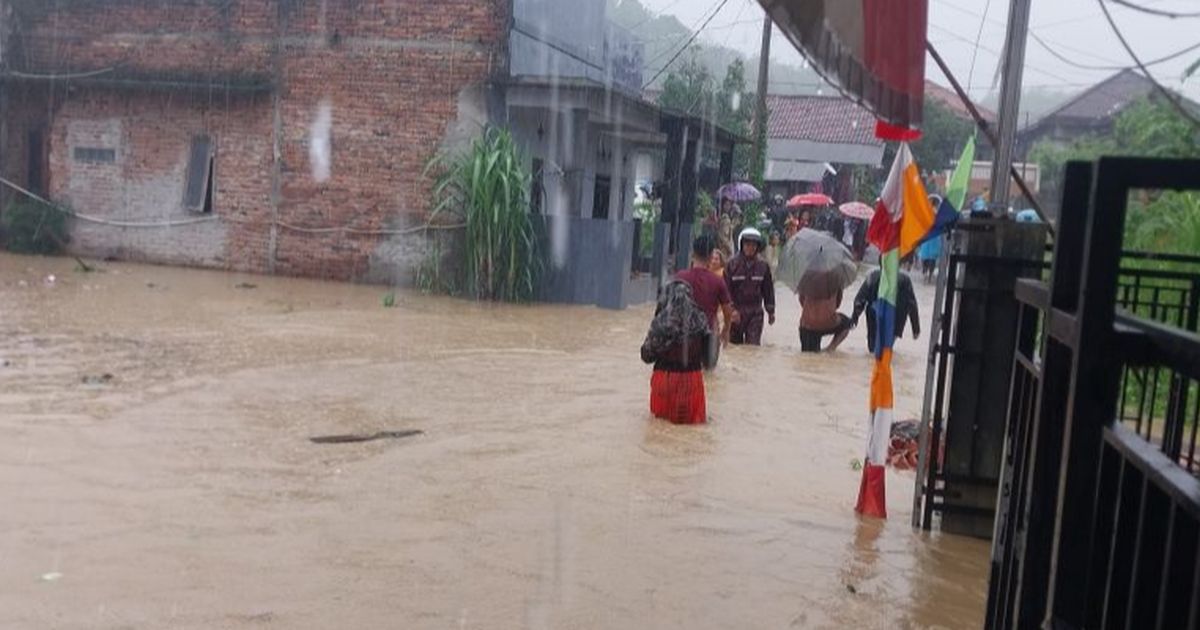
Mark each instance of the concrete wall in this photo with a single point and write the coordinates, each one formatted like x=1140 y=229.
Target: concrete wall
x=597 y=271
x=573 y=39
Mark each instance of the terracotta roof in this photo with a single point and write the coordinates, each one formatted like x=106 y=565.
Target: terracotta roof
x=949 y=98
x=831 y=119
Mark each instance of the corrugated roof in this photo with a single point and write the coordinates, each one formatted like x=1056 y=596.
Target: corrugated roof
x=831 y=119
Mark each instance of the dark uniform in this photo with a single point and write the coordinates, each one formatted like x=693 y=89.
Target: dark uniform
x=751 y=287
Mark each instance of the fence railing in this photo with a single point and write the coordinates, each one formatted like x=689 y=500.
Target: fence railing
x=1098 y=523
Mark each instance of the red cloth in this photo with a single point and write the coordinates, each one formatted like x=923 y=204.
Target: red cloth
x=708 y=289
x=678 y=397
x=872 y=498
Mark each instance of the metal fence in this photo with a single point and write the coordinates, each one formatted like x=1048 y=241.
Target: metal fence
x=1098 y=522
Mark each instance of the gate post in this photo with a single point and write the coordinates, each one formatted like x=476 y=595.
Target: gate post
x=996 y=252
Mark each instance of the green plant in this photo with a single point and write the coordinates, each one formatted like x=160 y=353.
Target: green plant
x=648 y=214
x=431 y=277
x=487 y=186
x=32 y=227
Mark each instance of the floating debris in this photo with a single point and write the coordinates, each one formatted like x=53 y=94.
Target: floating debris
x=98 y=379
x=52 y=576
x=245 y=285
x=350 y=438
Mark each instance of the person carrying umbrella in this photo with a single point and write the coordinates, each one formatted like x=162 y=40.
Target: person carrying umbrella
x=819 y=268
x=820 y=299
x=752 y=288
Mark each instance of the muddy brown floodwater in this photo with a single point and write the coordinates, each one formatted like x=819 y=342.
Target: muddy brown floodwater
x=183 y=492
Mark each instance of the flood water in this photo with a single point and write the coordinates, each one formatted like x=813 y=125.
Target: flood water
x=183 y=492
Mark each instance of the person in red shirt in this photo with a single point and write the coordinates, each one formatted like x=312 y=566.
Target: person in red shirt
x=710 y=292
x=677 y=344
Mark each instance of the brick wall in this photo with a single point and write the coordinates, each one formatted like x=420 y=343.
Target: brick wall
x=397 y=76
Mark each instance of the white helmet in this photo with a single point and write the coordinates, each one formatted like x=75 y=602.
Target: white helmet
x=752 y=234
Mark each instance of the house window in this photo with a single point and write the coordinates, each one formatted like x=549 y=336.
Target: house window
x=537 y=192
x=95 y=155
x=198 y=189
x=600 y=197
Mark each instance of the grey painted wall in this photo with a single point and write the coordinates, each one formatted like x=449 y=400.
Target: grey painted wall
x=574 y=39
x=597 y=270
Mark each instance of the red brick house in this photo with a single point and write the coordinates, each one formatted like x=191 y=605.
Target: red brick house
x=281 y=136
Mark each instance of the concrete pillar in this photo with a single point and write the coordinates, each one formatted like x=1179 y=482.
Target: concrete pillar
x=984 y=340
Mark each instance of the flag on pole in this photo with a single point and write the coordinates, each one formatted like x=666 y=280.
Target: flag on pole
x=903 y=219
x=960 y=179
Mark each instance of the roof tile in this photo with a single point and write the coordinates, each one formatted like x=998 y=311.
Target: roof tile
x=820 y=119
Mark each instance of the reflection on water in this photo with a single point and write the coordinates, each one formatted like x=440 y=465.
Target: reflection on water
x=183 y=491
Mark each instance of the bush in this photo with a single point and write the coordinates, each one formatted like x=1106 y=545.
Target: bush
x=32 y=227
x=487 y=186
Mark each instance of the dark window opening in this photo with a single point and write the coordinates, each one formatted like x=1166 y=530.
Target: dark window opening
x=95 y=155
x=600 y=197
x=198 y=189
x=208 y=189
x=537 y=192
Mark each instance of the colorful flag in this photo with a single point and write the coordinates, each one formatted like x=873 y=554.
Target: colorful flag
x=903 y=218
x=960 y=179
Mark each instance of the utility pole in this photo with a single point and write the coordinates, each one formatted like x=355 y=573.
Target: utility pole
x=758 y=160
x=1010 y=102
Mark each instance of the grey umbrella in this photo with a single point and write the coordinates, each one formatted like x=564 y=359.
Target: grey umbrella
x=818 y=261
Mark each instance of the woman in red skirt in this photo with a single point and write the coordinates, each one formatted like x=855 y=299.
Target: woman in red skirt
x=677 y=345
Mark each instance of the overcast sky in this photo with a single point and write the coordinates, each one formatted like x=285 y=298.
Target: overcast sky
x=1075 y=29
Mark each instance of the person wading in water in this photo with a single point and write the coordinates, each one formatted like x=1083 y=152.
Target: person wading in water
x=677 y=344
x=752 y=288
x=710 y=293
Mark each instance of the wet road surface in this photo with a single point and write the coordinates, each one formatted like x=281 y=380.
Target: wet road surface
x=183 y=490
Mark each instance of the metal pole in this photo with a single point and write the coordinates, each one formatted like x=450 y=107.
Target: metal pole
x=1010 y=102
x=760 y=99
x=924 y=485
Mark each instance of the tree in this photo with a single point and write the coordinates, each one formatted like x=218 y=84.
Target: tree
x=692 y=90
x=943 y=135
x=1158 y=221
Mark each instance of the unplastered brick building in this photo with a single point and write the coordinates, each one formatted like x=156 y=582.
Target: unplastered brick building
x=276 y=136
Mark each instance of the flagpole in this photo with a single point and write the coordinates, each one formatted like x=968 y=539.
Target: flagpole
x=1010 y=102
x=987 y=130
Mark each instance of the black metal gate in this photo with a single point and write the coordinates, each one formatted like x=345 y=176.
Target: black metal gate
x=1098 y=523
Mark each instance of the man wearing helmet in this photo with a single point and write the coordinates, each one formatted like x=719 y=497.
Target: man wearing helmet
x=752 y=288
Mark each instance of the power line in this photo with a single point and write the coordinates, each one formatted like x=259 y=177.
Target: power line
x=690 y=35
x=685 y=45
x=1152 y=11
x=1133 y=55
x=1003 y=25
x=654 y=16
x=955 y=35
x=978 y=36
x=1083 y=66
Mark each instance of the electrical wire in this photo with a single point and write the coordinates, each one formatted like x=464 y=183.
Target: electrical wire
x=1152 y=11
x=1133 y=55
x=1083 y=66
x=978 y=36
x=685 y=45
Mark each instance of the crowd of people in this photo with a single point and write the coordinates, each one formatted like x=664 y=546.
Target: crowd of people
x=727 y=296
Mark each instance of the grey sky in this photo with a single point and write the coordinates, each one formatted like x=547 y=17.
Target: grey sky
x=1075 y=29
